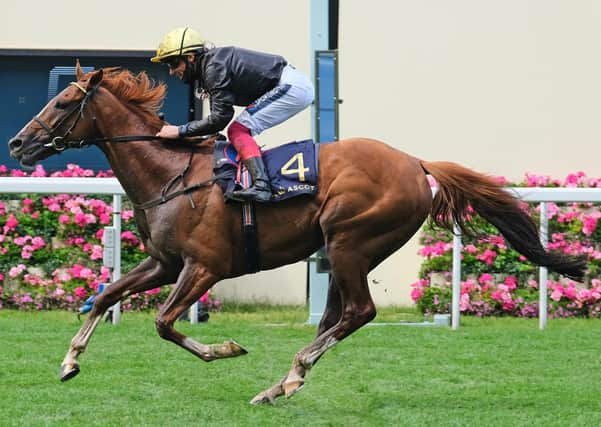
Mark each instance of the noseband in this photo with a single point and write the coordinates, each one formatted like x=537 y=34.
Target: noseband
x=59 y=143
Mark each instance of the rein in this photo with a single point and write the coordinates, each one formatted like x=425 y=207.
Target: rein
x=165 y=196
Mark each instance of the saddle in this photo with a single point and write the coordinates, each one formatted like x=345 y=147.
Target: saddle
x=292 y=169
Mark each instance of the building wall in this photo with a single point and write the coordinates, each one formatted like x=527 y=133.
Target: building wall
x=502 y=87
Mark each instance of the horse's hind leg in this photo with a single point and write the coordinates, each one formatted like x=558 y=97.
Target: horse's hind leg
x=194 y=280
x=148 y=275
x=356 y=309
x=330 y=317
x=333 y=308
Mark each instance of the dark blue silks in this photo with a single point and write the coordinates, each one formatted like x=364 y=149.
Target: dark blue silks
x=292 y=168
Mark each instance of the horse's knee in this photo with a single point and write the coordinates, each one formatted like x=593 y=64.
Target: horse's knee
x=163 y=328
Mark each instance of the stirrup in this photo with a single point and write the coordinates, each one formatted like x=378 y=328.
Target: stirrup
x=252 y=193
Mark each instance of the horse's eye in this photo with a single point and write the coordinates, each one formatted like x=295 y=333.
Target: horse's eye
x=60 y=105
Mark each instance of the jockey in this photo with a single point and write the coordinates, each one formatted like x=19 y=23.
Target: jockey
x=271 y=90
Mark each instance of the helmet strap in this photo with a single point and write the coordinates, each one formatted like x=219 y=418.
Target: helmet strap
x=181 y=45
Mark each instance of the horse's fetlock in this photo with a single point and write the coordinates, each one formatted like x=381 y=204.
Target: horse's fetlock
x=163 y=328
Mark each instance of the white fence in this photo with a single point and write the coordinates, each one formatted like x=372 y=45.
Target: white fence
x=527 y=194
x=86 y=186
x=112 y=186
x=79 y=186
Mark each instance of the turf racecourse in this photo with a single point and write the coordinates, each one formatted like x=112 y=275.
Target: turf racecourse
x=492 y=372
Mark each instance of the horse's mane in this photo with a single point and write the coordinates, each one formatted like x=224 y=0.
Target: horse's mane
x=137 y=90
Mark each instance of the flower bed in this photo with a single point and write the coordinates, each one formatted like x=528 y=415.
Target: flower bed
x=496 y=280
x=51 y=248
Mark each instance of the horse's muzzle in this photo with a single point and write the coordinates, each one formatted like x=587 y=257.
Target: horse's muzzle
x=15 y=147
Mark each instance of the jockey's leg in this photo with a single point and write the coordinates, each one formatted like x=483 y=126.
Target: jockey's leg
x=293 y=93
x=250 y=153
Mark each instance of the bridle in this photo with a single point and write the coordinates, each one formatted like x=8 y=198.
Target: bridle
x=61 y=143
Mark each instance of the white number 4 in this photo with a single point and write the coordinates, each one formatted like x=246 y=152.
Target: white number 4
x=300 y=169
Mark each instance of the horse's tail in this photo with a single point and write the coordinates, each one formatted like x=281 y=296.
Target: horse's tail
x=460 y=188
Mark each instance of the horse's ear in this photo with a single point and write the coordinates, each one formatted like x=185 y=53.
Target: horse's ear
x=78 y=71
x=95 y=79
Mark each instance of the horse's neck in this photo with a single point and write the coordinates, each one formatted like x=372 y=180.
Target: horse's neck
x=142 y=167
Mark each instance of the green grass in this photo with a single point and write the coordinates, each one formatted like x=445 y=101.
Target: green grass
x=492 y=372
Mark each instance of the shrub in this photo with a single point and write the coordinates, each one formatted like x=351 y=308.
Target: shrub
x=51 y=248
x=497 y=280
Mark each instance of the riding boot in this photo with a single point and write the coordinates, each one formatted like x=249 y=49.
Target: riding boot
x=260 y=189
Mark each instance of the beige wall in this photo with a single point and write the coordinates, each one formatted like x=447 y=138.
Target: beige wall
x=504 y=87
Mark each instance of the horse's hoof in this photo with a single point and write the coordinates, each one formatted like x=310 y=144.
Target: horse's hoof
x=235 y=349
x=68 y=371
x=262 y=398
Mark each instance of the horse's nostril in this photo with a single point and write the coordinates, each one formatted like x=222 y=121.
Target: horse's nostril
x=15 y=143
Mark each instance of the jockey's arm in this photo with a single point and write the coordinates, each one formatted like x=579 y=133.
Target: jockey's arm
x=222 y=111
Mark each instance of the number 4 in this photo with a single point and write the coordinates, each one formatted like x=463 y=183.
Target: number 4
x=300 y=170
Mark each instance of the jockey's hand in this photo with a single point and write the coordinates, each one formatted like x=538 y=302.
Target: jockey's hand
x=169 y=131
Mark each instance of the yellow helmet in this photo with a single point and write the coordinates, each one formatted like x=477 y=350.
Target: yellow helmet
x=178 y=42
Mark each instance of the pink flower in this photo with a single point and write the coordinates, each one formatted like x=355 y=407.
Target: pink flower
x=15 y=271
x=80 y=292
x=488 y=256
x=471 y=249
x=96 y=252
x=556 y=294
x=61 y=276
x=573 y=180
x=39 y=171
x=509 y=305
x=26 y=298
x=105 y=274
x=64 y=219
x=485 y=277
x=153 y=291
x=511 y=283
x=416 y=294
x=589 y=225
x=129 y=237
x=127 y=214
x=26 y=254
x=38 y=243
x=11 y=223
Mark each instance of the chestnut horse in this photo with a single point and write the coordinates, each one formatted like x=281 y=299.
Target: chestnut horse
x=371 y=199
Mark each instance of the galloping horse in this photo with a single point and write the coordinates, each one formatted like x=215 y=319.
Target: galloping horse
x=371 y=199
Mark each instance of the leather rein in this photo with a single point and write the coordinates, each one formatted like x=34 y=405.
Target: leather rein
x=61 y=143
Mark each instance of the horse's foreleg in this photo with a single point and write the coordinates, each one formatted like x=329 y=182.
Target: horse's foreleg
x=354 y=304
x=148 y=275
x=194 y=280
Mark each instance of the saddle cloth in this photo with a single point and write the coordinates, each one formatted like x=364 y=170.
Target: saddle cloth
x=292 y=168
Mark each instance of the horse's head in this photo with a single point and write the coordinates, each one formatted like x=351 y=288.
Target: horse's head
x=63 y=119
